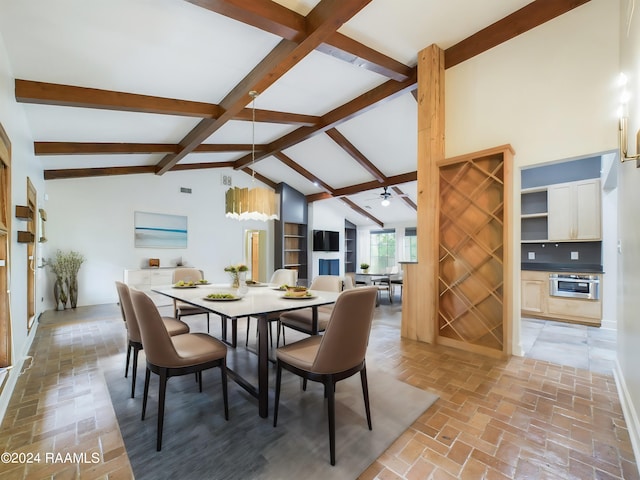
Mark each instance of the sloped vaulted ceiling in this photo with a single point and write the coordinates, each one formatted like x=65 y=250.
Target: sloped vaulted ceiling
x=152 y=87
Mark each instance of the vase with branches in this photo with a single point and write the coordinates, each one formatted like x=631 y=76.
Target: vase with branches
x=65 y=266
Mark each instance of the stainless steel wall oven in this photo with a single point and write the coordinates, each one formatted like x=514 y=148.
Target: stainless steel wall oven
x=574 y=286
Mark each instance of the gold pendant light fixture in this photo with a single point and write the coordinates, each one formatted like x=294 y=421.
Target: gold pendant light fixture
x=256 y=203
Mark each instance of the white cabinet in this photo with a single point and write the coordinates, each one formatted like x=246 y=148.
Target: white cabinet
x=147 y=278
x=574 y=211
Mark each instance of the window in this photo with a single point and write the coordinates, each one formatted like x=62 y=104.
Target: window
x=410 y=245
x=383 y=250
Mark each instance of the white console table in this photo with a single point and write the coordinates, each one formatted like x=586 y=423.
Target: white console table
x=145 y=279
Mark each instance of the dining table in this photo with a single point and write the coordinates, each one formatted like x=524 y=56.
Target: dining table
x=260 y=301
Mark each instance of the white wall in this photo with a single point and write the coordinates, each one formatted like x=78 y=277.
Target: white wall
x=24 y=165
x=628 y=374
x=95 y=216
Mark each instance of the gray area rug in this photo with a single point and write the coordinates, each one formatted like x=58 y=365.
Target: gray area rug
x=199 y=444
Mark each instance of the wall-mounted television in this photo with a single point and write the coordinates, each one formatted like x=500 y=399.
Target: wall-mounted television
x=326 y=241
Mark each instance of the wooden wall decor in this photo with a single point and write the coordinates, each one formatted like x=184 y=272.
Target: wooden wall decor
x=474 y=279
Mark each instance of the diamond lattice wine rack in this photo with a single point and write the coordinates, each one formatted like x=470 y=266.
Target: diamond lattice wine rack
x=473 y=247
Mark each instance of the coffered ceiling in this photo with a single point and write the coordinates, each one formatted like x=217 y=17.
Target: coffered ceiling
x=150 y=87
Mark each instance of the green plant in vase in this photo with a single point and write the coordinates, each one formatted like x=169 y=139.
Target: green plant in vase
x=236 y=271
x=364 y=267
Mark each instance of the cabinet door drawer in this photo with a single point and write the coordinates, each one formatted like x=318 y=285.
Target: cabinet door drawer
x=136 y=277
x=575 y=307
x=161 y=277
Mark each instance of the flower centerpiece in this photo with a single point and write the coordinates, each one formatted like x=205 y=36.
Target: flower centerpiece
x=235 y=271
x=364 y=267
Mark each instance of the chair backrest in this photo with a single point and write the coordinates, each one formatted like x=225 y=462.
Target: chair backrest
x=187 y=274
x=284 y=276
x=128 y=314
x=348 y=282
x=327 y=283
x=155 y=338
x=344 y=343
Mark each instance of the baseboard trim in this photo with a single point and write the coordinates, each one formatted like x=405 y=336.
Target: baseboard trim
x=628 y=410
x=15 y=371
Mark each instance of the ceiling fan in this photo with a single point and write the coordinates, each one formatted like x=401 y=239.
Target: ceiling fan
x=386 y=196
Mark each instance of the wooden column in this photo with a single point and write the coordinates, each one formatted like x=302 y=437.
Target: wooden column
x=419 y=312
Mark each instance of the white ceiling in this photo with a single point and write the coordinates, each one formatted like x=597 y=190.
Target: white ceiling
x=174 y=49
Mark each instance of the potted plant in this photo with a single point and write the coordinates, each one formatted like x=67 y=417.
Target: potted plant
x=236 y=271
x=364 y=267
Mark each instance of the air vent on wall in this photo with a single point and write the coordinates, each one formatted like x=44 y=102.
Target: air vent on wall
x=185 y=190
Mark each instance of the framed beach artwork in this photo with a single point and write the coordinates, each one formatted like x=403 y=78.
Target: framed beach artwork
x=159 y=230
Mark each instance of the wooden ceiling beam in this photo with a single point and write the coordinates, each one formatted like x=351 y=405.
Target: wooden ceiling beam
x=404 y=198
x=356 y=154
x=528 y=17
x=80 y=148
x=348 y=50
x=262 y=178
x=289 y=25
x=96 y=172
x=364 y=187
x=71 y=96
x=271 y=116
x=390 y=181
x=362 y=211
x=326 y=17
x=265 y=15
x=288 y=161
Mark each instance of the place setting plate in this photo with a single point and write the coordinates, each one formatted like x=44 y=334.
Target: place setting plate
x=222 y=299
x=303 y=297
x=184 y=286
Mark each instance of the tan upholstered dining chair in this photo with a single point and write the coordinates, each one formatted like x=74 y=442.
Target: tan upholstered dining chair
x=302 y=320
x=334 y=356
x=282 y=276
x=134 y=340
x=182 y=309
x=173 y=356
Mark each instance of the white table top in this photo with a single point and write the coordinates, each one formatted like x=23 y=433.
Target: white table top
x=257 y=300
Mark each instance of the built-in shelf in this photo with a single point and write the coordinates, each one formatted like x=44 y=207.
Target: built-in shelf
x=25 y=237
x=24 y=212
x=350 y=236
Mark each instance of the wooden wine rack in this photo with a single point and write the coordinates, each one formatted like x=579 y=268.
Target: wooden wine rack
x=473 y=252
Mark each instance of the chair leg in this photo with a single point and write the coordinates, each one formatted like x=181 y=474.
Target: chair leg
x=134 y=375
x=207 y=323
x=365 y=395
x=277 y=397
x=161 y=395
x=199 y=374
x=331 y=394
x=126 y=367
x=147 y=376
x=246 y=342
x=223 y=370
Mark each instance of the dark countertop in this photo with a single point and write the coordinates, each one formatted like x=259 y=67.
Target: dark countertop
x=562 y=267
